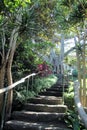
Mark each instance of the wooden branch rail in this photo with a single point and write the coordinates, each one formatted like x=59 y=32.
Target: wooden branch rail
x=16 y=83
x=78 y=104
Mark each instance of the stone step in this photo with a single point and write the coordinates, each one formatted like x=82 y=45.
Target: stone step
x=37 y=116
x=51 y=93
x=59 y=89
x=45 y=108
x=51 y=100
x=20 y=125
x=60 y=86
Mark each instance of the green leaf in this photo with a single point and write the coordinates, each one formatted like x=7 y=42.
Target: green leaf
x=28 y=1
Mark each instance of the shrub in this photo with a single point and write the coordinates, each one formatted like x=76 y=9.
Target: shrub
x=69 y=97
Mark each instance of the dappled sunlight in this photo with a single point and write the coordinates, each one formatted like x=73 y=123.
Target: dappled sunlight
x=79 y=104
x=46 y=126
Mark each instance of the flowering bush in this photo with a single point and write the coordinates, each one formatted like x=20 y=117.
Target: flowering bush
x=44 y=69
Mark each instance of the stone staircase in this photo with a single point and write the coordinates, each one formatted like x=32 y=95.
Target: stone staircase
x=43 y=112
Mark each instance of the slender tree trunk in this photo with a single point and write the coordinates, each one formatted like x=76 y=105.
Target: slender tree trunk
x=2 y=76
x=2 y=65
x=78 y=62
x=62 y=53
x=84 y=75
x=10 y=93
x=13 y=42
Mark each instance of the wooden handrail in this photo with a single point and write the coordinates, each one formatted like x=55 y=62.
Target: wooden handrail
x=16 y=83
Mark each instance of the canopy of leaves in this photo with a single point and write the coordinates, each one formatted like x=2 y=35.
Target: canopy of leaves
x=9 y=6
x=77 y=10
x=39 y=22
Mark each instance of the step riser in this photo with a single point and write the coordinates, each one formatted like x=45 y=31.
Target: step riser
x=59 y=109
x=49 y=93
x=37 y=117
x=57 y=90
x=60 y=86
x=43 y=101
x=32 y=128
x=20 y=125
x=14 y=127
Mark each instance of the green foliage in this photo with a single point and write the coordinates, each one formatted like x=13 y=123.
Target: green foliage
x=21 y=96
x=75 y=73
x=73 y=120
x=43 y=47
x=40 y=22
x=67 y=3
x=76 y=10
x=24 y=62
x=71 y=14
x=69 y=97
x=42 y=83
x=27 y=60
x=14 y=4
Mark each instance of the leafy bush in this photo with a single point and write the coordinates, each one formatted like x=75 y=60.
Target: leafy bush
x=42 y=83
x=73 y=121
x=75 y=73
x=69 y=97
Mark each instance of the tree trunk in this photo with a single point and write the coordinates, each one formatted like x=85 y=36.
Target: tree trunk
x=13 y=42
x=84 y=75
x=62 y=53
x=2 y=65
x=78 y=62
x=10 y=93
x=2 y=76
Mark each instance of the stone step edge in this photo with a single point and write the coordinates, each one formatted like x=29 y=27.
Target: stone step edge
x=42 y=105
x=46 y=98
x=45 y=108
x=38 y=113
x=25 y=125
x=33 y=112
x=43 y=96
x=37 y=116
